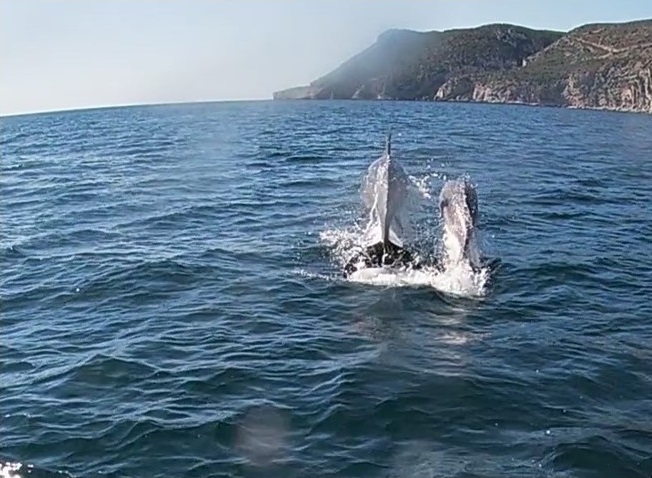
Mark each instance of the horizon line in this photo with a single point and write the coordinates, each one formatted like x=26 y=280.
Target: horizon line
x=74 y=109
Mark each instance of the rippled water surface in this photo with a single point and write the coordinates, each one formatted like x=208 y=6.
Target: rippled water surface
x=172 y=301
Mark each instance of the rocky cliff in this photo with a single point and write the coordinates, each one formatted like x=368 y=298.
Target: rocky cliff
x=595 y=66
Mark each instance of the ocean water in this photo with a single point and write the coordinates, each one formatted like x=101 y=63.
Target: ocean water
x=173 y=303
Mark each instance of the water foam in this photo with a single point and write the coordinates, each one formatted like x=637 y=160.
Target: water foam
x=11 y=469
x=458 y=280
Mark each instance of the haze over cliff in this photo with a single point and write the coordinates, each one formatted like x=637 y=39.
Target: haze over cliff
x=605 y=66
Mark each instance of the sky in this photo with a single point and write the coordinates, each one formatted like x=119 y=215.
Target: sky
x=67 y=54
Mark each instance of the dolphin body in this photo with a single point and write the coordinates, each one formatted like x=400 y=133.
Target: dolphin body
x=384 y=192
x=458 y=205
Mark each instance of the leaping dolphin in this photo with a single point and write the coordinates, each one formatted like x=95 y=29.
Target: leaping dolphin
x=458 y=205
x=384 y=192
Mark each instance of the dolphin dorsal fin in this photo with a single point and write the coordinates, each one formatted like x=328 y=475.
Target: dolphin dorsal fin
x=388 y=143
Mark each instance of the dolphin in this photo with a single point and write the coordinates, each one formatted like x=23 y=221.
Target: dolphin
x=384 y=193
x=458 y=206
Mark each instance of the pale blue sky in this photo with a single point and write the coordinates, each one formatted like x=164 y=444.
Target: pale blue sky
x=61 y=54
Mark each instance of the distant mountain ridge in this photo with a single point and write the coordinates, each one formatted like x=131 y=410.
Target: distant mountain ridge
x=607 y=66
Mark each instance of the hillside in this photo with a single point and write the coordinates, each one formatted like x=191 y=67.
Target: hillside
x=595 y=66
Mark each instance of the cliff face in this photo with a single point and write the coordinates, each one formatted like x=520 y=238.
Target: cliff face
x=595 y=66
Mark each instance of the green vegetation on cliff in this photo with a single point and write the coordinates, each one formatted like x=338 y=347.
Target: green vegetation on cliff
x=597 y=66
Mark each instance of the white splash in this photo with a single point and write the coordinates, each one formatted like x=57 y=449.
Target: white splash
x=457 y=277
x=458 y=280
x=10 y=469
x=422 y=185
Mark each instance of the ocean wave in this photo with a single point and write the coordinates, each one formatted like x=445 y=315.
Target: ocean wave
x=173 y=301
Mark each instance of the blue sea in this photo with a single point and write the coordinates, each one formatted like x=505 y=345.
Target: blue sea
x=173 y=303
